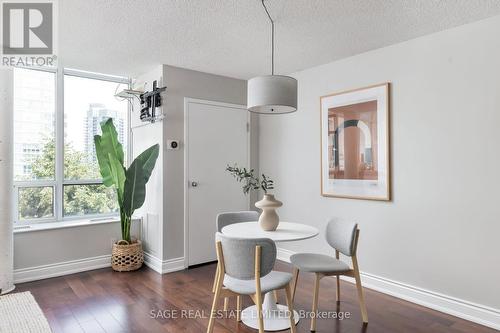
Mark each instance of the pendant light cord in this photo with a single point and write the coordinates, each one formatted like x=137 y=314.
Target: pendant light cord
x=272 y=37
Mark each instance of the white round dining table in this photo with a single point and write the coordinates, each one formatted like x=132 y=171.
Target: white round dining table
x=275 y=315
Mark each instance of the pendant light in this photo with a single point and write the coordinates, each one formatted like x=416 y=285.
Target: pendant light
x=272 y=94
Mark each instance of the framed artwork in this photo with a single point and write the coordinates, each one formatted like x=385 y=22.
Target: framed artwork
x=355 y=144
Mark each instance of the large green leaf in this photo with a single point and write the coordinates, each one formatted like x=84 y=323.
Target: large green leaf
x=137 y=176
x=107 y=145
x=148 y=159
x=135 y=188
x=103 y=160
x=110 y=138
x=118 y=176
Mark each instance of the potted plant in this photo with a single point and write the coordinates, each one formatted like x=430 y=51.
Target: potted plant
x=130 y=185
x=269 y=219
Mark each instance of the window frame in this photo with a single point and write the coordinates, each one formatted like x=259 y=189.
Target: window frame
x=59 y=180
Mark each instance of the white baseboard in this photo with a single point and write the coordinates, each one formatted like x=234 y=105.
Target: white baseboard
x=163 y=266
x=284 y=255
x=61 y=268
x=477 y=313
x=152 y=262
x=87 y=264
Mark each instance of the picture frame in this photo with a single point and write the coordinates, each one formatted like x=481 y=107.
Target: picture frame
x=355 y=143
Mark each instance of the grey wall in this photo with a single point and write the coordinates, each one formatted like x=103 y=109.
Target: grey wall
x=45 y=247
x=183 y=83
x=440 y=232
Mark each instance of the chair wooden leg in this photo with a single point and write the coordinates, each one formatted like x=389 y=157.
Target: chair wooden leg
x=218 y=289
x=295 y=280
x=315 y=302
x=238 y=308
x=338 y=288
x=275 y=292
x=289 y=303
x=226 y=299
x=216 y=277
x=361 y=296
x=259 y=311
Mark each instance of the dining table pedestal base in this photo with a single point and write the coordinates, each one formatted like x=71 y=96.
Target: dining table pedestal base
x=275 y=315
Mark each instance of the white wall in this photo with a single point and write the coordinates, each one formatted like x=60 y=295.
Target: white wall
x=145 y=135
x=440 y=232
x=6 y=144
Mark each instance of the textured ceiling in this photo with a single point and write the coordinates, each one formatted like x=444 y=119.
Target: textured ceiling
x=232 y=37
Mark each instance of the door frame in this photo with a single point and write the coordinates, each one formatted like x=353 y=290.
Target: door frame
x=188 y=100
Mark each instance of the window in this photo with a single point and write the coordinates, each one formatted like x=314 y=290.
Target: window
x=36 y=203
x=34 y=123
x=87 y=102
x=56 y=115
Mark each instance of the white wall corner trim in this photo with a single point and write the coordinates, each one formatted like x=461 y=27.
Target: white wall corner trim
x=61 y=268
x=477 y=313
x=163 y=266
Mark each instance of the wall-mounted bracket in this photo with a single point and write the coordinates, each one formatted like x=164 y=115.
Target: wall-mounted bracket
x=150 y=100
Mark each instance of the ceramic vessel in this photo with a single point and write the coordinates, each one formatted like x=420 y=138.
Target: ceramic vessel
x=269 y=219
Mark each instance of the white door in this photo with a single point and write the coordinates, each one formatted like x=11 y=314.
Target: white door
x=216 y=135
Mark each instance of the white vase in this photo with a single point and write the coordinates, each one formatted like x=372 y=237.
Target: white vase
x=269 y=219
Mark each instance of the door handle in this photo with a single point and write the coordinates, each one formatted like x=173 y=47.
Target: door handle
x=194 y=184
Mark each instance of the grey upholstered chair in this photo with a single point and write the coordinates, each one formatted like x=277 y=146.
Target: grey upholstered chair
x=343 y=237
x=225 y=219
x=246 y=268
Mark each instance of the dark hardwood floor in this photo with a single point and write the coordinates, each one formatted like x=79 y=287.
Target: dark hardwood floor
x=107 y=301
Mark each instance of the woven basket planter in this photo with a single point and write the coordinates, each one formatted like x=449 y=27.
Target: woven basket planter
x=127 y=257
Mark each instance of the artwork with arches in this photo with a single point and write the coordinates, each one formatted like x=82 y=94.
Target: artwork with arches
x=355 y=143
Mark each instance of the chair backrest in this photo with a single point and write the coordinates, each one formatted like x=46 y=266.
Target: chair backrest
x=224 y=219
x=341 y=235
x=239 y=256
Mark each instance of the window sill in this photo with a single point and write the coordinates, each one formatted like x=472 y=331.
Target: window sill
x=65 y=224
